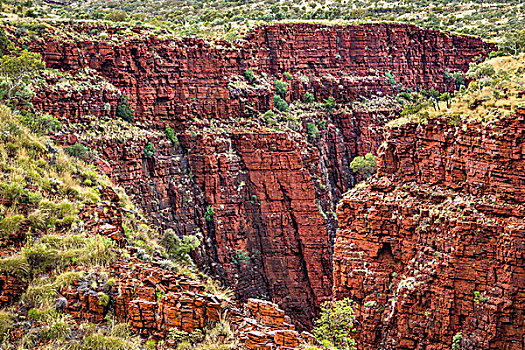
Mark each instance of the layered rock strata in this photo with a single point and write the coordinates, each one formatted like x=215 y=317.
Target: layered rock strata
x=432 y=247
x=272 y=192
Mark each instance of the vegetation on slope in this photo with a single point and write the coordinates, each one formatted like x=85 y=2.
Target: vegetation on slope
x=47 y=197
x=496 y=90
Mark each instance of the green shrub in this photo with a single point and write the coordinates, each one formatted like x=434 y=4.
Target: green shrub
x=16 y=266
x=222 y=331
x=391 y=78
x=78 y=150
x=287 y=76
x=185 y=345
x=103 y=300
x=269 y=117
x=185 y=337
x=248 y=74
x=279 y=103
x=478 y=297
x=43 y=315
x=124 y=109
x=100 y=341
x=329 y=103
x=280 y=87
x=151 y=345
x=308 y=97
x=364 y=166
x=57 y=330
x=149 y=150
x=6 y=322
x=117 y=16
x=456 y=341
x=312 y=130
x=10 y=225
x=121 y=330
x=240 y=257
x=41 y=124
x=178 y=248
x=208 y=215
x=170 y=134
x=335 y=324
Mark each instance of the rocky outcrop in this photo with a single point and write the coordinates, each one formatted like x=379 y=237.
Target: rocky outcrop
x=11 y=288
x=271 y=192
x=172 y=81
x=154 y=298
x=432 y=247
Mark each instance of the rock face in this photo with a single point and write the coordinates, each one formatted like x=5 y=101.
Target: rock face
x=433 y=245
x=175 y=80
x=11 y=289
x=262 y=199
x=154 y=299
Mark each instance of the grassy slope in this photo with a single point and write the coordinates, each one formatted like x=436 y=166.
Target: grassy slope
x=486 y=99
x=41 y=186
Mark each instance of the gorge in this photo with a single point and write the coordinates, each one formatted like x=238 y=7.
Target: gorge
x=273 y=200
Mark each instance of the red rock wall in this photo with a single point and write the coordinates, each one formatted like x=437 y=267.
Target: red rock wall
x=477 y=160
x=271 y=192
x=174 y=80
x=433 y=245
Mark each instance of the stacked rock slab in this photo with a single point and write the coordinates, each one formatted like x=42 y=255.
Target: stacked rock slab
x=271 y=192
x=174 y=80
x=432 y=247
x=155 y=300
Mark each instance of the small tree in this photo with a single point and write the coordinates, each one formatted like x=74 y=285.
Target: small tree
x=177 y=248
x=513 y=42
x=364 y=166
x=124 y=109
x=287 y=76
x=432 y=96
x=279 y=103
x=149 y=150
x=483 y=72
x=280 y=87
x=336 y=324
x=248 y=74
x=16 y=74
x=445 y=97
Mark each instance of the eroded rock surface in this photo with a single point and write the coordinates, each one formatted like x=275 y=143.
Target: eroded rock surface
x=434 y=245
x=272 y=192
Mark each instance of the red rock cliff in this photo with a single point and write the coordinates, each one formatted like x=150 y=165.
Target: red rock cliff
x=272 y=192
x=433 y=245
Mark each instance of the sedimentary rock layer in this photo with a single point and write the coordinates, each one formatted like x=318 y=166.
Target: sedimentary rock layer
x=433 y=246
x=269 y=193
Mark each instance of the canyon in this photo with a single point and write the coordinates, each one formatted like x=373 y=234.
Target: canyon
x=441 y=220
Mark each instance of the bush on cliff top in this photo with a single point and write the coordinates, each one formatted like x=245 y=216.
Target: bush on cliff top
x=364 y=166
